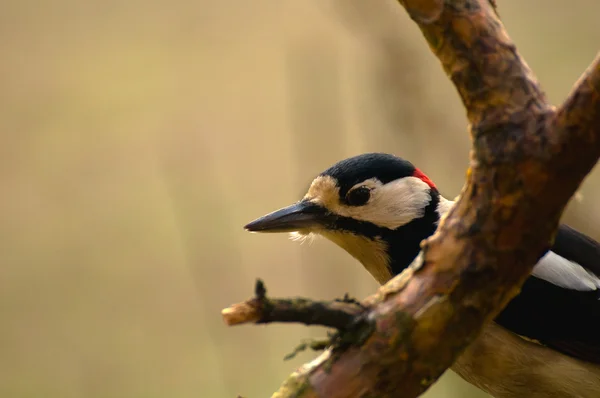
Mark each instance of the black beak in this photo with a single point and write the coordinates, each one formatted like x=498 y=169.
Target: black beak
x=302 y=215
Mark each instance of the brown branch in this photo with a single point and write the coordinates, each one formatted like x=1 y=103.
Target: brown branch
x=526 y=164
x=492 y=79
x=582 y=107
x=337 y=314
x=577 y=122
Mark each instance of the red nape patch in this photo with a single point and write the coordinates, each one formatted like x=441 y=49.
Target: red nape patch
x=419 y=174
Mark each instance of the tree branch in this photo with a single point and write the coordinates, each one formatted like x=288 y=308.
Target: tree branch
x=577 y=121
x=339 y=314
x=467 y=36
x=582 y=107
x=526 y=164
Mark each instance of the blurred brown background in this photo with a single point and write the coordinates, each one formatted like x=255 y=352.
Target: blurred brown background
x=139 y=137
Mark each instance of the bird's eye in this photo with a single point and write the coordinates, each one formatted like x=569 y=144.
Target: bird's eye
x=358 y=196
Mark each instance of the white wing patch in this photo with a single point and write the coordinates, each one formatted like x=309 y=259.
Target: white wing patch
x=564 y=273
x=552 y=268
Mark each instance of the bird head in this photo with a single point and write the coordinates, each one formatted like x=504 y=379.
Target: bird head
x=377 y=207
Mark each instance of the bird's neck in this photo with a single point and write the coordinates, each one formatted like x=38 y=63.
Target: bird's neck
x=404 y=243
x=385 y=252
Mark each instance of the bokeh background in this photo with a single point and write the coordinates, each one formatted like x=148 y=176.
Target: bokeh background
x=137 y=138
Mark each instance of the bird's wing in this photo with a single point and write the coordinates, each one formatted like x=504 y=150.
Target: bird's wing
x=578 y=248
x=559 y=305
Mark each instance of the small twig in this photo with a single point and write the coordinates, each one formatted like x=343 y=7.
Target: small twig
x=315 y=345
x=350 y=300
x=340 y=315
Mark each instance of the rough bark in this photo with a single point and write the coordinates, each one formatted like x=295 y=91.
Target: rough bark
x=527 y=160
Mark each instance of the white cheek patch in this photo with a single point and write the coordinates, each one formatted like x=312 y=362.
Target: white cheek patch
x=392 y=205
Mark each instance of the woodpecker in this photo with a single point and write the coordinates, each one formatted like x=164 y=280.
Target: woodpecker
x=545 y=343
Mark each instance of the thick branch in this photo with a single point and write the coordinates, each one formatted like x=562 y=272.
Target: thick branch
x=577 y=121
x=582 y=108
x=470 y=41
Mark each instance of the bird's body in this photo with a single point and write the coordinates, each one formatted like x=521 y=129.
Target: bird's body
x=545 y=343
x=505 y=365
